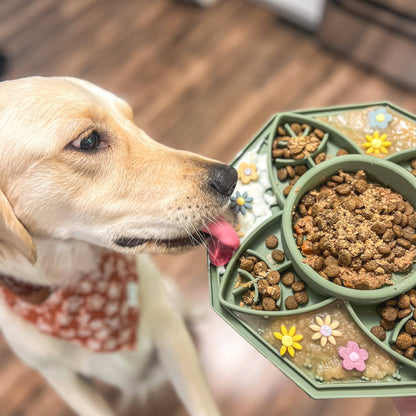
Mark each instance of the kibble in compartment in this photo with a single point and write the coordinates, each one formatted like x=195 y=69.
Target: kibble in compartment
x=263 y=292
x=296 y=141
x=356 y=233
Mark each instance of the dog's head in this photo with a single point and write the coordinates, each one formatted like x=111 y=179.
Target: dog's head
x=75 y=166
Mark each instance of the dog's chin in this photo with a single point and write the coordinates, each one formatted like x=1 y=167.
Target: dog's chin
x=174 y=245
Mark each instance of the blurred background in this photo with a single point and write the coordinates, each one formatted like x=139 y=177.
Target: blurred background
x=205 y=79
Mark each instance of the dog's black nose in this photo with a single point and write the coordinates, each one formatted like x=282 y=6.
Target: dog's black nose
x=222 y=179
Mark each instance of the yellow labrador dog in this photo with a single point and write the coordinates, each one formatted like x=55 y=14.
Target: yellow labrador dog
x=83 y=191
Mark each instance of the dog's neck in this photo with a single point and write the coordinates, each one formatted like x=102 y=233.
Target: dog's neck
x=59 y=262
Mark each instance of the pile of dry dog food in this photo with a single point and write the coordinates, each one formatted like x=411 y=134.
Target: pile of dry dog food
x=287 y=146
x=391 y=313
x=355 y=233
x=267 y=282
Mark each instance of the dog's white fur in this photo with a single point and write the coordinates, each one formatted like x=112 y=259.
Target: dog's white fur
x=61 y=207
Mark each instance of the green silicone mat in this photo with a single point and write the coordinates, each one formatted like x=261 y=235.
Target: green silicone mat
x=269 y=212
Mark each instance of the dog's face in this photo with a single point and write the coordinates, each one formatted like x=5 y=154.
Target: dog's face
x=75 y=166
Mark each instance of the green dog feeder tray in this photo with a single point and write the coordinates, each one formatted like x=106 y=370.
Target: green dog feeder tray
x=325 y=345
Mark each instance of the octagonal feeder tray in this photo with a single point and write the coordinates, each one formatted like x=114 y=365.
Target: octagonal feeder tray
x=316 y=343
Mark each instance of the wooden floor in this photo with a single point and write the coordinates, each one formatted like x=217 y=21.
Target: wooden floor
x=199 y=80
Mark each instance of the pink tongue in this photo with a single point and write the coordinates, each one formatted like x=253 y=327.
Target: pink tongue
x=223 y=243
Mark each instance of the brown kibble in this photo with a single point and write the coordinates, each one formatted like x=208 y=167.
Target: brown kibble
x=278 y=255
x=298 y=286
x=371 y=265
x=399 y=251
x=269 y=304
x=403 y=313
x=299 y=240
x=290 y=171
x=389 y=313
x=337 y=281
x=278 y=153
x=361 y=186
x=248 y=297
x=397 y=217
x=342 y=152
x=379 y=332
x=344 y=258
x=282 y=174
x=301 y=297
x=321 y=157
x=398 y=231
x=379 y=228
x=296 y=128
x=387 y=325
x=260 y=267
x=408 y=233
x=401 y=206
x=246 y=264
x=281 y=131
x=384 y=249
x=412 y=220
x=287 y=190
x=274 y=291
x=404 y=243
x=410 y=353
x=288 y=278
x=337 y=178
x=344 y=189
x=391 y=302
x=300 y=169
x=291 y=303
x=404 y=341
x=262 y=286
x=273 y=277
x=412 y=297
x=403 y=302
x=319 y=133
x=332 y=270
x=410 y=327
x=388 y=235
x=254 y=259
x=318 y=264
x=272 y=241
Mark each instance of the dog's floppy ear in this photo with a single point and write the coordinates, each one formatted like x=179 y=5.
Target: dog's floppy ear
x=12 y=231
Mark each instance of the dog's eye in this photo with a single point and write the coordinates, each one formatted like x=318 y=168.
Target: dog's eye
x=90 y=142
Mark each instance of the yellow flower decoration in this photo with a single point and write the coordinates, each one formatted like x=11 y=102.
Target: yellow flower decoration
x=376 y=143
x=247 y=172
x=289 y=340
x=325 y=330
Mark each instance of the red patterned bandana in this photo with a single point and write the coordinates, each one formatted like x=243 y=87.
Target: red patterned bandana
x=100 y=312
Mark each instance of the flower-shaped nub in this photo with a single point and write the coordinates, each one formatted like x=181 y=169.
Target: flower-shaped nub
x=379 y=119
x=241 y=202
x=376 y=143
x=247 y=172
x=353 y=356
x=289 y=340
x=325 y=330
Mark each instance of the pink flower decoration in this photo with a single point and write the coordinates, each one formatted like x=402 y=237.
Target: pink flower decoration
x=353 y=356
